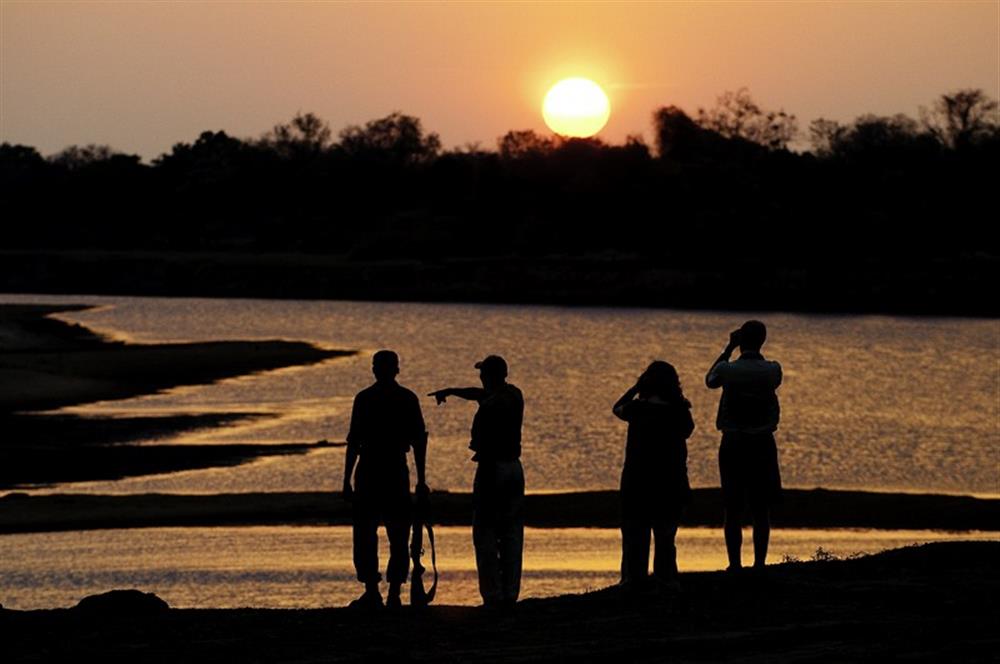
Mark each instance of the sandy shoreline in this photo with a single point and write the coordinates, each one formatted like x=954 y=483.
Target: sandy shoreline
x=47 y=364
x=933 y=603
x=44 y=465
x=816 y=508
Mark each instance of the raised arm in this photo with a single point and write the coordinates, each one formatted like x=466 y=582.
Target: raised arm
x=713 y=379
x=619 y=408
x=467 y=393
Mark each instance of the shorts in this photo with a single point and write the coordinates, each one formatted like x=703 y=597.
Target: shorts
x=748 y=468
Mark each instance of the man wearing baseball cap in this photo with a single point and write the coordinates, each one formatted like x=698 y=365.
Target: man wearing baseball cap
x=498 y=489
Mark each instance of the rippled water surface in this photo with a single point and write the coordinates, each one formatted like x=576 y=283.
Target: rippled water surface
x=284 y=567
x=868 y=401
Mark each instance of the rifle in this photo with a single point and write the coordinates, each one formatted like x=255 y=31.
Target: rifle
x=421 y=520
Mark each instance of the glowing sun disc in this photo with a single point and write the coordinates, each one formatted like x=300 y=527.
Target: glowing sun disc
x=576 y=107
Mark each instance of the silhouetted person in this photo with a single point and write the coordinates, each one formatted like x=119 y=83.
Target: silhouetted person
x=385 y=423
x=498 y=489
x=654 y=484
x=748 y=457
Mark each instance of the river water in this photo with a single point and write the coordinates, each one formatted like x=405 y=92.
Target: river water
x=868 y=402
x=309 y=567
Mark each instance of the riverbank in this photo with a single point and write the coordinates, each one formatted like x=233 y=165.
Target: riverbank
x=816 y=508
x=603 y=279
x=24 y=466
x=936 y=602
x=48 y=364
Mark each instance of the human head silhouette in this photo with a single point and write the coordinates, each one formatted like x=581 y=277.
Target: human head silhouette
x=385 y=365
x=492 y=371
x=752 y=336
x=659 y=379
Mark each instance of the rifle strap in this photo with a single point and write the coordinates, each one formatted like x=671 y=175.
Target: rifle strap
x=434 y=565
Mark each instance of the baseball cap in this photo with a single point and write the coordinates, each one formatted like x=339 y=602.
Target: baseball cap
x=493 y=364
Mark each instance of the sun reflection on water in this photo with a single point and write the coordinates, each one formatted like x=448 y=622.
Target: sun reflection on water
x=307 y=566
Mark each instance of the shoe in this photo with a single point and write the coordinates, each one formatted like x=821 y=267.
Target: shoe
x=393 y=601
x=369 y=600
x=667 y=585
x=499 y=607
x=635 y=589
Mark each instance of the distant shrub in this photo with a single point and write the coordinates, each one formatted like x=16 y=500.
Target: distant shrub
x=824 y=556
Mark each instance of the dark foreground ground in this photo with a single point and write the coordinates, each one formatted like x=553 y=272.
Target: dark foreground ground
x=934 y=603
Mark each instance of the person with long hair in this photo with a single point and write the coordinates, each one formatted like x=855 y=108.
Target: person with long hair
x=654 y=484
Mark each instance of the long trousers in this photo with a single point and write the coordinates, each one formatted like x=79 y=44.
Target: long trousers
x=498 y=529
x=382 y=495
x=651 y=503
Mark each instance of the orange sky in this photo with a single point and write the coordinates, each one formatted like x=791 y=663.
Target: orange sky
x=144 y=75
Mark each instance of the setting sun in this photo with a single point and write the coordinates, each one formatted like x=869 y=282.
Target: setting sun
x=576 y=107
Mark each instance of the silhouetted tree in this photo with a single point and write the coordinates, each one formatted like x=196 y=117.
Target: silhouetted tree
x=883 y=138
x=826 y=136
x=737 y=115
x=636 y=144
x=677 y=135
x=518 y=144
x=962 y=118
x=18 y=161
x=469 y=148
x=19 y=154
x=396 y=138
x=76 y=157
x=545 y=207
x=304 y=135
x=680 y=138
x=24 y=176
x=213 y=156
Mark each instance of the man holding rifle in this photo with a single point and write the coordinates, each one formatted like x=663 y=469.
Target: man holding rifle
x=386 y=422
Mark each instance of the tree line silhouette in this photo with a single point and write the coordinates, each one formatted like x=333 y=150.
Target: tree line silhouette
x=878 y=209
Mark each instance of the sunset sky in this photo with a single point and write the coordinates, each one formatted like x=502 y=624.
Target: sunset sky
x=141 y=76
